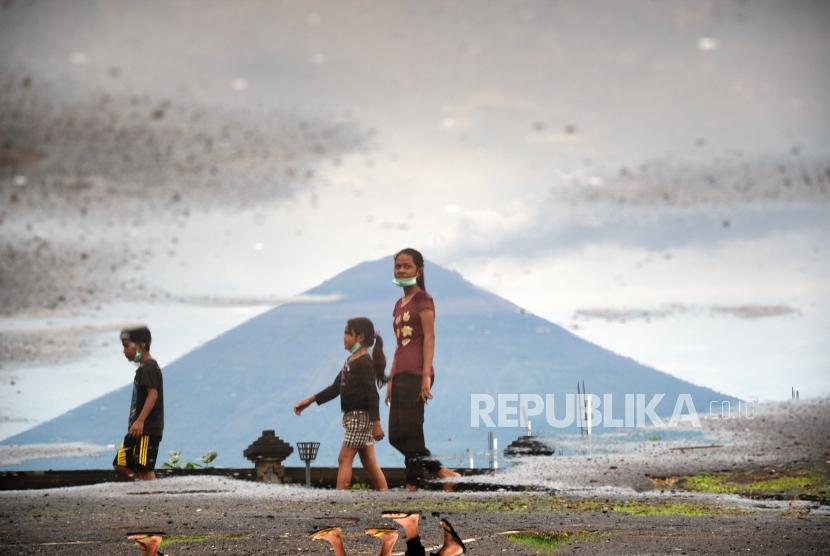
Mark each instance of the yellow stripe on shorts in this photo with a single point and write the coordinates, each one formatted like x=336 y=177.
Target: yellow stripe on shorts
x=122 y=456
x=142 y=458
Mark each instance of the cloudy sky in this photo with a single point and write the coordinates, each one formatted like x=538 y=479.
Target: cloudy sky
x=654 y=176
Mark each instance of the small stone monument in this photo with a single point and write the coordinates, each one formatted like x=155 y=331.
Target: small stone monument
x=528 y=445
x=267 y=453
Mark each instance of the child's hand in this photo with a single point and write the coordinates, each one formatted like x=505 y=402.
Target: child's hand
x=377 y=430
x=388 y=399
x=136 y=429
x=301 y=405
x=425 y=393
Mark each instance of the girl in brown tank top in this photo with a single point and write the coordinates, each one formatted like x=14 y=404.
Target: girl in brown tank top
x=412 y=375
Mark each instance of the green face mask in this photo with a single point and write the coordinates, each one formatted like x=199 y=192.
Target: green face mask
x=137 y=357
x=355 y=347
x=405 y=282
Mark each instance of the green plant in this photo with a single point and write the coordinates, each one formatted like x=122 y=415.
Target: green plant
x=359 y=485
x=531 y=504
x=798 y=483
x=644 y=509
x=174 y=461
x=182 y=539
x=550 y=540
x=196 y=539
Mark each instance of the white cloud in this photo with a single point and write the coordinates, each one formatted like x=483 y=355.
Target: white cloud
x=707 y=44
x=78 y=58
x=689 y=289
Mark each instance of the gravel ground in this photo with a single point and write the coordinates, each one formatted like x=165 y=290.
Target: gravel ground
x=769 y=435
x=224 y=516
x=273 y=521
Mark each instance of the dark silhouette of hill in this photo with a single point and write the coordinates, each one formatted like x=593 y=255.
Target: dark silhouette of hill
x=225 y=392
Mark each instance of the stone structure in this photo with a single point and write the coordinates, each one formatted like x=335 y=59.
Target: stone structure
x=528 y=445
x=267 y=454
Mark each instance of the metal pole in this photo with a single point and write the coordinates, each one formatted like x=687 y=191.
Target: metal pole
x=490 y=449
x=308 y=473
x=587 y=414
x=587 y=408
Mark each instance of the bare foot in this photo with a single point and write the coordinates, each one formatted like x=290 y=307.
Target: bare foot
x=410 y=487
x=326 y=534
x=453 y=546
x=387 y=536
x=149 y=543
x=445 y=473
x=408 y=521
x=333 y=536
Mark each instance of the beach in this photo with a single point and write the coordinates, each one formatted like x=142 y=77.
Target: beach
x=642 y=501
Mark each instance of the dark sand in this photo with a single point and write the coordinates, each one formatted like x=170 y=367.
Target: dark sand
x=224 y=516
x=245 y=524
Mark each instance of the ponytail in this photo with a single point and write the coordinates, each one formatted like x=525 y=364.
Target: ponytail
x=361 y=326
x=379 y=361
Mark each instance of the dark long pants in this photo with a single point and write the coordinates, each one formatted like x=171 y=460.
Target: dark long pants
x=414 y=547
x=406 y=428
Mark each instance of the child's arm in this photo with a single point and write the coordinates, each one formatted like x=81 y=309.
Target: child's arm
x=301 y=405
x=371 y=397
x=428 y=325
x=388 y=399
x=320 y=397
x=137 y=428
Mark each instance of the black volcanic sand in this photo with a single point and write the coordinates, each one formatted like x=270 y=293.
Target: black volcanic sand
x=769 y=438
x=67 y=522
x=621 y=511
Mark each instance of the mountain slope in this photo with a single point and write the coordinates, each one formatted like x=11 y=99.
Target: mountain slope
x=224 y=393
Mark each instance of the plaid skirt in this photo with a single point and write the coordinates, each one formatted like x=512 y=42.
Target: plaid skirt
x=358 y=429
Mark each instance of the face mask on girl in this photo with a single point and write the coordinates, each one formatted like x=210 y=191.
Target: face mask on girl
x=405 y=282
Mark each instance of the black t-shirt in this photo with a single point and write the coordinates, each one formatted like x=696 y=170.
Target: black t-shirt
x=355 y=384
x=148 y=375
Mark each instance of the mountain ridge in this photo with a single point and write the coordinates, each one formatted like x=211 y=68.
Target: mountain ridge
x=222 y=394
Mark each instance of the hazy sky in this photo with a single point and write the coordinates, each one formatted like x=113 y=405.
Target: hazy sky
x=654 y=176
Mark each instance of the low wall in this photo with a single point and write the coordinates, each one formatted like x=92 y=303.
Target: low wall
x=321 y=477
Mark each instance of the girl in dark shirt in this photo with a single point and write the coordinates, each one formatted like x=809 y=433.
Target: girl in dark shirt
x=412 y=375
x=357 y=385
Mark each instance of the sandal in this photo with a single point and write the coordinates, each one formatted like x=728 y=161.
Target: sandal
x=378 y=532
x=320 y=533
x=454 y=535
x=396 y=514
x=138 y=537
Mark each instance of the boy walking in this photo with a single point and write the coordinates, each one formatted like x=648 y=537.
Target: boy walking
x=136 y=457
